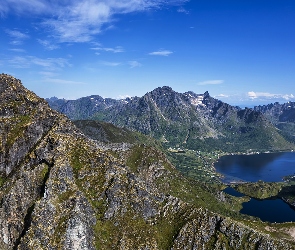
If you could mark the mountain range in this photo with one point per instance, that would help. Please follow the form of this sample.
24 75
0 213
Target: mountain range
61 189
186 120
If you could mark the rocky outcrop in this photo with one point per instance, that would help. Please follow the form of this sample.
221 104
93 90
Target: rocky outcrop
62 190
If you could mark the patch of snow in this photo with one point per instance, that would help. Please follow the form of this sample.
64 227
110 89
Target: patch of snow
198 101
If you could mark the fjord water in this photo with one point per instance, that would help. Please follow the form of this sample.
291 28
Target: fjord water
268 167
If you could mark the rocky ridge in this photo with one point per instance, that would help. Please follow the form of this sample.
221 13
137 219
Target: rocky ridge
62 190
192 121
282 116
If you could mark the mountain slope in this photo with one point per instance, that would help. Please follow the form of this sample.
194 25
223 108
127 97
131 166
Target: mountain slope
108 133
82 108
61 190
282 116
192 121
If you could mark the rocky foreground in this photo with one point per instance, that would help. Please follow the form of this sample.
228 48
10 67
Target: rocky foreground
62 190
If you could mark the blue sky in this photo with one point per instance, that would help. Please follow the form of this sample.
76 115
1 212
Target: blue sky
241 51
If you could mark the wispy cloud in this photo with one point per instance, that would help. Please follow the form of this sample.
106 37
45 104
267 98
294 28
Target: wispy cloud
265 95
19 62
62 81
48 74
48 63
17 36
48 44
161 52
211 82
80 20
117 49
18 50
25 7
221 96
183 10
111 64
134 64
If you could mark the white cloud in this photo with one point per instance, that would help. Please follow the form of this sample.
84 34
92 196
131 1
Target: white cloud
62 81
80 20
211 82
48 74
267 96
183 10
17 36
47 44
134 64
123 97
117 49
19 62
222 96
288 97
111 64
161 53
25 6
18 50
48 63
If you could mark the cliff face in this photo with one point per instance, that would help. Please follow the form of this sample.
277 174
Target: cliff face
61 190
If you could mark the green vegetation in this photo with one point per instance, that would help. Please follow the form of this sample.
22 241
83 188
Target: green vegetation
196 164
260 189
140 155
108 133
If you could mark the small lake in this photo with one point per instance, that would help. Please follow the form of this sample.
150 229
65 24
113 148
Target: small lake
269 210
268 167
233 192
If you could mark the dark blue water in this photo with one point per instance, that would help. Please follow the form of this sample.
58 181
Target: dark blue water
267 167
269 210
233 192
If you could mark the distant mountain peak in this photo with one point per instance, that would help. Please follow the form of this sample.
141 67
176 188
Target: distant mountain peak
162 90
206 94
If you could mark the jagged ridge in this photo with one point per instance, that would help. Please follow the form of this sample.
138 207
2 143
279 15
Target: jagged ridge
193 121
